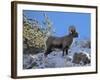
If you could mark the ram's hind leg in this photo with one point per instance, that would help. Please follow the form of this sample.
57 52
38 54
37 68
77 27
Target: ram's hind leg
47 52
45 55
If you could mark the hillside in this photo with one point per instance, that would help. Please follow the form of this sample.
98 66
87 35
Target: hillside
55 59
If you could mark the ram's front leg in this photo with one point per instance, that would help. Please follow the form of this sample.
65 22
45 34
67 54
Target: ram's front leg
67 51
63 52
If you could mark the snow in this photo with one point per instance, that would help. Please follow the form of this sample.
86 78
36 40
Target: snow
55 58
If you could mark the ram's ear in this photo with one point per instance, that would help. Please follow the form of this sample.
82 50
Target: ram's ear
72 29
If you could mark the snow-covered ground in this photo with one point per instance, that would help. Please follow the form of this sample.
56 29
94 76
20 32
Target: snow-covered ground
55 58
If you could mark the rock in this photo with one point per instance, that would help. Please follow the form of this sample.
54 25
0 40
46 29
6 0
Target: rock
81 58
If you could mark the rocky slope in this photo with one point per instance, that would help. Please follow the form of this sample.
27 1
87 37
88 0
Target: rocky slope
55 59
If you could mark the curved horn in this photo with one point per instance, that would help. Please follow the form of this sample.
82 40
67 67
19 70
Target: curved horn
72 29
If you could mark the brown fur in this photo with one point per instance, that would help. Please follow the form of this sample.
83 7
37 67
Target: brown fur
62 43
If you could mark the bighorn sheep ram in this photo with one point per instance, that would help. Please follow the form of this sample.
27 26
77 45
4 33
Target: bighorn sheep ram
62 43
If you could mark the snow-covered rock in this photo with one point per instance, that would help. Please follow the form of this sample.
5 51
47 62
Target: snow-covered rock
81 58
27 61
